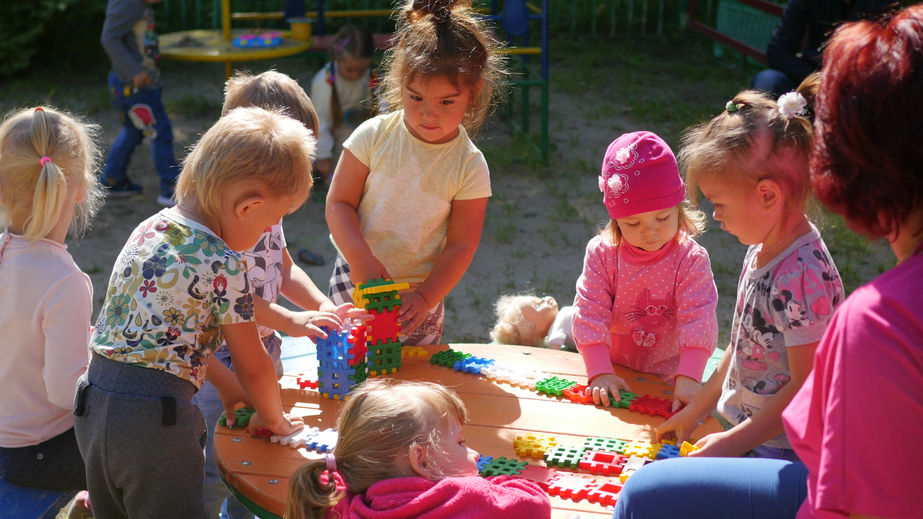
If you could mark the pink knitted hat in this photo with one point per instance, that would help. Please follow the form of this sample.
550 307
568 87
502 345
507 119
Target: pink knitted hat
639 174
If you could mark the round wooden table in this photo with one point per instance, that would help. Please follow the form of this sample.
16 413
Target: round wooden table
258 471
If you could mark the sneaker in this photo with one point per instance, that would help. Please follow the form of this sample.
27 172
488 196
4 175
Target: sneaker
166 201
309 257
121 189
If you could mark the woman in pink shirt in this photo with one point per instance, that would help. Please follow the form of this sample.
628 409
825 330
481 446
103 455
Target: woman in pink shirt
646 297
849 421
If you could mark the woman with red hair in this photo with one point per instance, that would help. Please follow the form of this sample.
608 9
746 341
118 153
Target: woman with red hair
867 381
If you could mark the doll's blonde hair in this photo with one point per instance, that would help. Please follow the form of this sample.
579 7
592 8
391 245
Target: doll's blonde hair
32 190
264 148
270 90
377 427
512 327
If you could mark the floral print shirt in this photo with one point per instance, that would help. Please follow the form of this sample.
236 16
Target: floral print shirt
173 286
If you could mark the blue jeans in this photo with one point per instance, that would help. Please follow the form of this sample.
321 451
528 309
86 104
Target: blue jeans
141 101
738 488
774 82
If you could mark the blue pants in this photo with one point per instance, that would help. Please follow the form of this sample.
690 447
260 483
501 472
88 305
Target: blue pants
54 464
150 115
715 488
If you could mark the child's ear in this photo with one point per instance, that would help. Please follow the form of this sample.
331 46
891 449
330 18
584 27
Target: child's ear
246 205
417 456
769 192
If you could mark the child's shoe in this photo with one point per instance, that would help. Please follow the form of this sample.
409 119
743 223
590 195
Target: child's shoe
123 188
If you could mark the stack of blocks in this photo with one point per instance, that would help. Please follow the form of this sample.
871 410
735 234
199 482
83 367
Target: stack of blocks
341 360
380 298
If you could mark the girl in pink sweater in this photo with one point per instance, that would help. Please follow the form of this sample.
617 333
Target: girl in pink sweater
401 454
646 298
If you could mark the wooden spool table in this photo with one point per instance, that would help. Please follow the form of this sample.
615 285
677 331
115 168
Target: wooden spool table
258 471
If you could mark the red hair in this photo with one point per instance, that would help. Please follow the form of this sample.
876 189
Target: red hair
869 118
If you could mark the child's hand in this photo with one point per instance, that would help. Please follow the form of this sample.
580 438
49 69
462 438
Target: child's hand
413 311
681 425
287 425
344 311
717 445
308 323
684 391
604 385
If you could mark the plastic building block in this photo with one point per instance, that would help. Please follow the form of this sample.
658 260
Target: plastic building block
447 358
378 294
563 456
241 418
533 445
336 384
686 448
667 451
383 326
472 364
384 357
540 475
602 463
503 466
606 444
571 486
652 405
642 449
553 385
604 493
413 351
482 462
631 466
322 441
305 382
261 432
296 439
625 399
577 394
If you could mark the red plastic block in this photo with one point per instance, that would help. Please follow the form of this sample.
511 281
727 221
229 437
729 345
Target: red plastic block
540 475
304 382
383 326
604 493
652 405
577 394
569 486
602 463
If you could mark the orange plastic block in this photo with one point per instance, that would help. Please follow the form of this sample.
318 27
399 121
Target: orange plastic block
604 493
533 445
577 394
602 463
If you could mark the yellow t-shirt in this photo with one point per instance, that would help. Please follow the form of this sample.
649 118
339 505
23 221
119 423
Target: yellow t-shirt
407 199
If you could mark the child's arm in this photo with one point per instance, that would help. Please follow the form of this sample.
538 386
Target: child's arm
682 424
766 424
229 390
298 288
464 233
121 20
257 376
343 219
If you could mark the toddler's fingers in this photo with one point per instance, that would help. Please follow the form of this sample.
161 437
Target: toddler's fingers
310 330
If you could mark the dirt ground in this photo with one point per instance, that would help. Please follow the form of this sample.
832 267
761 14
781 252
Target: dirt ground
538 220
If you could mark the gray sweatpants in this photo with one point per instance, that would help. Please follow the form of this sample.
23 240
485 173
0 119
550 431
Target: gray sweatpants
142 440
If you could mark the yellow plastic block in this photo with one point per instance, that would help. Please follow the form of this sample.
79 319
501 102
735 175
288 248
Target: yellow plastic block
533 445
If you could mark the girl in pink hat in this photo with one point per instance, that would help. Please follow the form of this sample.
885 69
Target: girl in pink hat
646 298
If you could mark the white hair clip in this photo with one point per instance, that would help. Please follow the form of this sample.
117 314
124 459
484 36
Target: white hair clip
792 104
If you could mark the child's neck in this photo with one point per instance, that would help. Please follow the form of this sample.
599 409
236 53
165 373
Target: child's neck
780 238
192 211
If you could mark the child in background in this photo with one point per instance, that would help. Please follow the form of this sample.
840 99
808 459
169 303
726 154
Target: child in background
177 288
343 92
272 273
410 191
533 321
400 454
646 298
752 163
48 184
130 41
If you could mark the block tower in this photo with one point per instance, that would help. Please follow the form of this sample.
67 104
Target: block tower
341 360
380 298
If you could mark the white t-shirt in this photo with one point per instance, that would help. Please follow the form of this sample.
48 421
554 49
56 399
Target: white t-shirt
354 96
45 307
407 199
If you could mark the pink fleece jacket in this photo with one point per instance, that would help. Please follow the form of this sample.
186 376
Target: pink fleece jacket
649 311
455 498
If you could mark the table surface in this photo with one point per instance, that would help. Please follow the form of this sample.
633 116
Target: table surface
259 470
208 45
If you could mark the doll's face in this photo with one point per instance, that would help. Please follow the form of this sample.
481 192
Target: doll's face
540 311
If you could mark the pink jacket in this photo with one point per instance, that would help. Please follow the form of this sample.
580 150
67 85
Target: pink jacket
456 498
649 311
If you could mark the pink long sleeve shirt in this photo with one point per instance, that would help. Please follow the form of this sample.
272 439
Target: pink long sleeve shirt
649 311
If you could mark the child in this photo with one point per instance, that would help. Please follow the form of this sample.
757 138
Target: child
752 163
533 321
48 184
409 195
646 298
401 453
271 271
177 288
343 91
130 41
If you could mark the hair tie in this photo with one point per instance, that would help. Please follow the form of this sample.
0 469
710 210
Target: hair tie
44 160
731 107
792 104
331 462
39 109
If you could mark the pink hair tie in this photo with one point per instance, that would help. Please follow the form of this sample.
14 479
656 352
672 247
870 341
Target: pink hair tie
44 160
331 462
